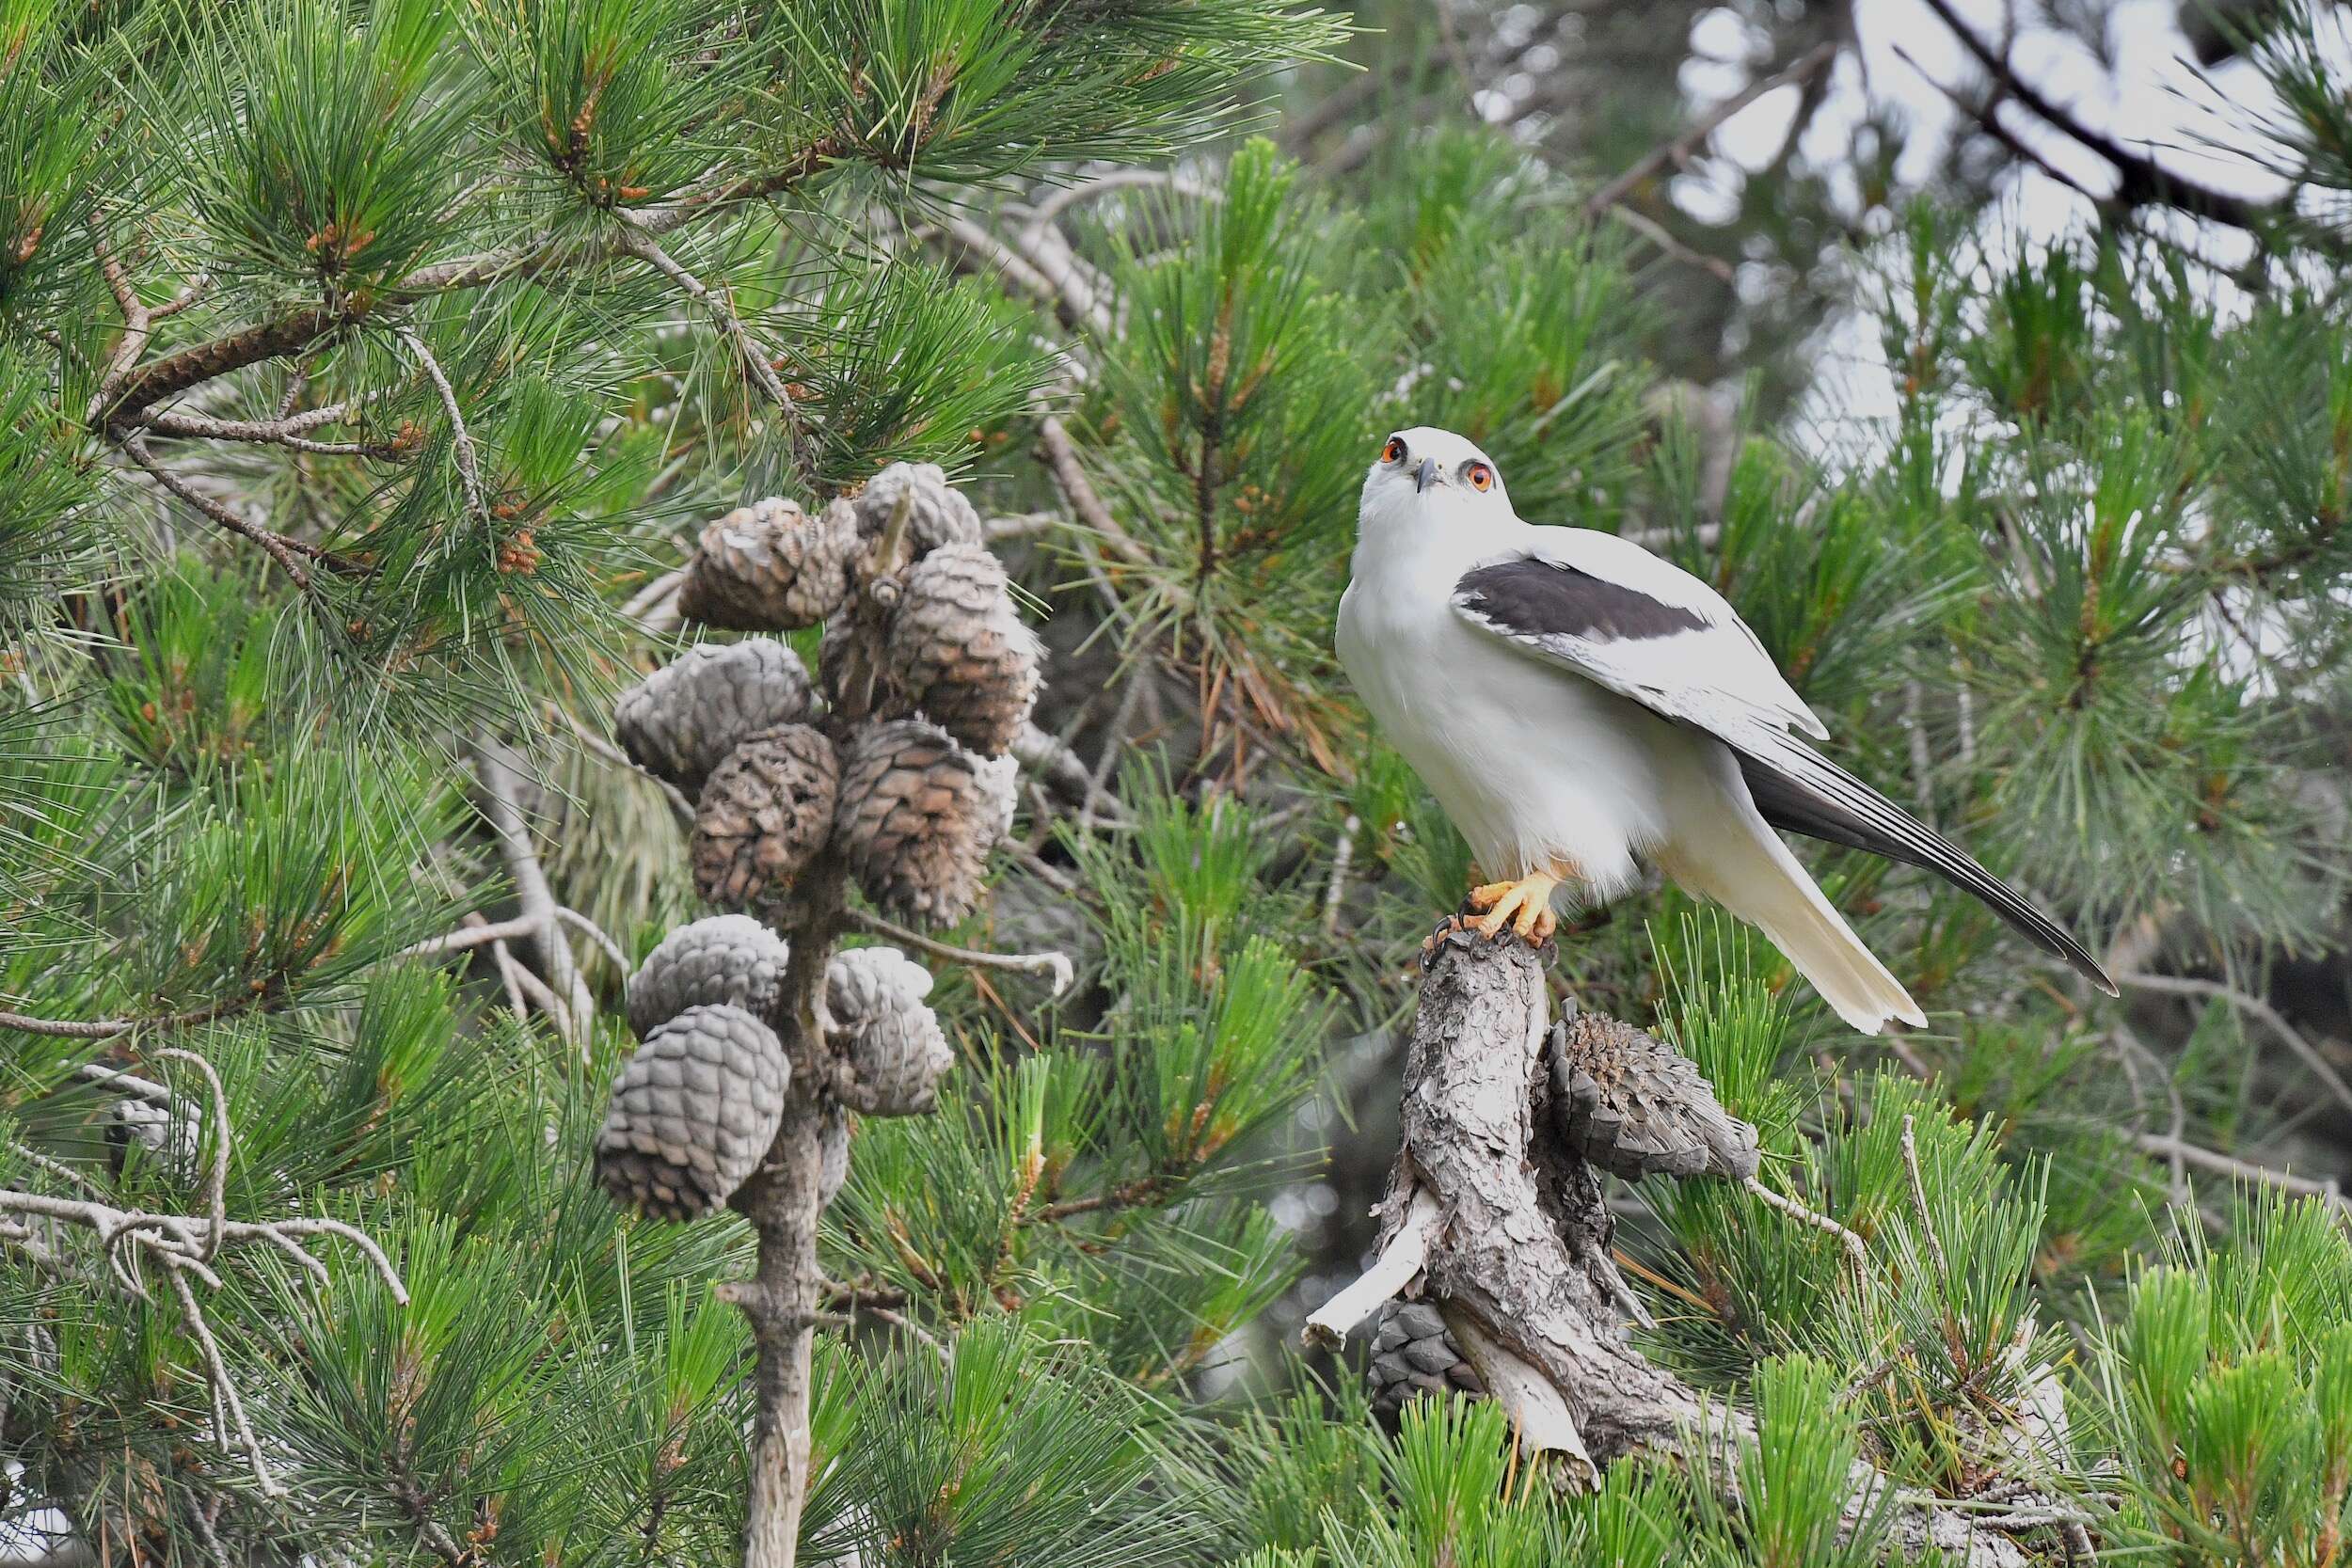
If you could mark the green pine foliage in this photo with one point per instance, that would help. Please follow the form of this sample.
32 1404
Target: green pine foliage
366 365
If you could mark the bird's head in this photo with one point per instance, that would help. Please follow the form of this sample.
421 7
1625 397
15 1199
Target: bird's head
1431 480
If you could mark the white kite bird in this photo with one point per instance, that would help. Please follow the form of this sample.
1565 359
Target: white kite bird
1576 703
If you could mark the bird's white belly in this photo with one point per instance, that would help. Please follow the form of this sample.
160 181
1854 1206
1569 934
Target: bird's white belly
1539 769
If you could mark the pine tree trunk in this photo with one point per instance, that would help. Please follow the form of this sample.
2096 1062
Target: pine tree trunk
783 1203
784 1212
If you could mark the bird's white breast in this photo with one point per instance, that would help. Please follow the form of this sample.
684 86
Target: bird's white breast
1536 767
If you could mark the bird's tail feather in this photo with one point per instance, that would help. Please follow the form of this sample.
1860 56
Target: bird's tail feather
1744 867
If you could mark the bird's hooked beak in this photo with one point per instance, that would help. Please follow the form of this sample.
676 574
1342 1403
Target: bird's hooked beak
1426 475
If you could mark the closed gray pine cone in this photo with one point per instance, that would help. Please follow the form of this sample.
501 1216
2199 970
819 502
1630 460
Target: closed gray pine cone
1412 1354
693 1114
770 566
892 1043
1000 782
765 813
721 957
937 514
680 722
1635 1106
916 820
960 651
833 1144
170 1136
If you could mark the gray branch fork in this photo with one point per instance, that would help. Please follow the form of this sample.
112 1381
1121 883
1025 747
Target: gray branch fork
1494 1219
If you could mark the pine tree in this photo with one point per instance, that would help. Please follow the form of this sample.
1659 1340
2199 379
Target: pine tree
464 522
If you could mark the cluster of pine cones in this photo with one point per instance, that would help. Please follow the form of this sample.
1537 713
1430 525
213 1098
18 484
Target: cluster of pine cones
894 759
900 762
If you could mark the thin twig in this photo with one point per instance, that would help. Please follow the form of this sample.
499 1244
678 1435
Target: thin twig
1803 1215
468 471
2183 984
279 549
216 1188
638 242
1061 459
1679 150
2164 1147
1053 963
467 938
2141 181
1342 856
1919 1203
499 796
595 933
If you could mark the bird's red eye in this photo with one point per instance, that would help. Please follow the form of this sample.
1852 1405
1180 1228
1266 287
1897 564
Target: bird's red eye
1481 477
1393 451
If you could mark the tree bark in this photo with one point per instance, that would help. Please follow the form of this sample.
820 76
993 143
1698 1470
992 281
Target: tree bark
1512 1233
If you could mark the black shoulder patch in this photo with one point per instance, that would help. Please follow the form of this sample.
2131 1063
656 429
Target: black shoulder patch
1533 597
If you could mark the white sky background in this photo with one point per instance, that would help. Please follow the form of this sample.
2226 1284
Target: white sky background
2150 94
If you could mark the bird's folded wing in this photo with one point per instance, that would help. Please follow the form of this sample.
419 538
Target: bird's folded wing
1605 609
1608 610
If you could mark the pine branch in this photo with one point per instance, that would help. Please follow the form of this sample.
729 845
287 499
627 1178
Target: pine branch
755 357
276 545
1055 965
468 469
185 1247
123 397
2141 181
1678 151
569 1004
2305 1051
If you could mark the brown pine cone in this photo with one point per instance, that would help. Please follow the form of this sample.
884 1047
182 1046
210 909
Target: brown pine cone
680 722
1412 1354
1635 1106
960 652
917 821
764 815
892 1043
937 514
693 1114
721 957
770 567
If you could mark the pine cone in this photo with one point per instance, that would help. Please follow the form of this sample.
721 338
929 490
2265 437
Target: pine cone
960 651
770 567
168 1136
764 815
693 1114
1635 1106
891 1041
1000 783
917 821
938 514
1412 1354
680 722
723 958
833 1144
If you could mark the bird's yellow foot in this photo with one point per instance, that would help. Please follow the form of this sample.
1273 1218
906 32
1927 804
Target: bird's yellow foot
1525 906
